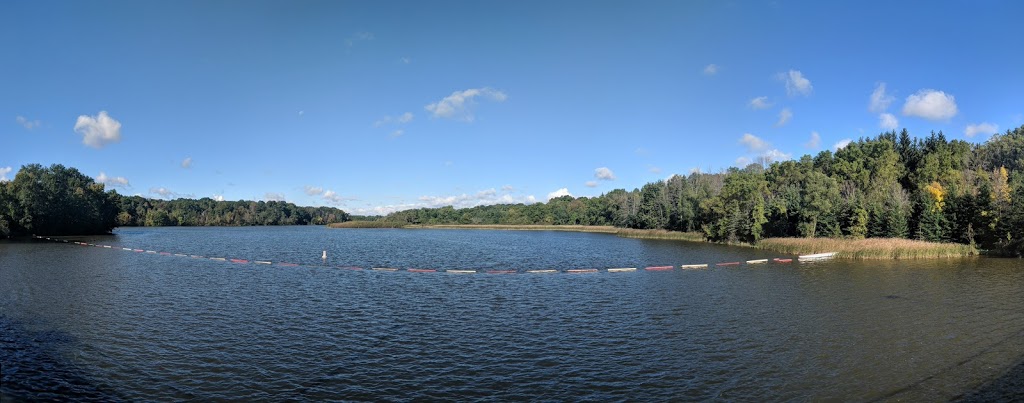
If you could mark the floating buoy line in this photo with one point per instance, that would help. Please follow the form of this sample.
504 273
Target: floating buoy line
235 261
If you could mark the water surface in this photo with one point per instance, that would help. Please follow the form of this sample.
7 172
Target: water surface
109 324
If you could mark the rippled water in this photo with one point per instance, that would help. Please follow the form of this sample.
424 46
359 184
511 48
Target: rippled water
108 324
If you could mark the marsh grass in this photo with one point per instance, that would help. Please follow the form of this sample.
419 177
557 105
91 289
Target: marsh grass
572 228
661 234
870 248
366 224
622 232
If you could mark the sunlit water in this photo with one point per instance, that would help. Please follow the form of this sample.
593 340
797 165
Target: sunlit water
108 324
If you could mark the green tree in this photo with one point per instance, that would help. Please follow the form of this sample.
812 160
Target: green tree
6 210
818 196
739 212
652 213
59 201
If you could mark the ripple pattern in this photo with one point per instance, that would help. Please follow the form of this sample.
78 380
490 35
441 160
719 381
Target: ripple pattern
94 324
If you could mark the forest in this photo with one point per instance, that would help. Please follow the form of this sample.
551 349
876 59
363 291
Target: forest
138 211
892 186
58 200
889 186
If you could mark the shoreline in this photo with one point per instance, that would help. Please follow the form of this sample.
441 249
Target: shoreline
857 249
602 229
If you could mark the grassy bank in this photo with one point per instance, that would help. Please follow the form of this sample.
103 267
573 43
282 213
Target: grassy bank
871 248
366 224
661 234
572 228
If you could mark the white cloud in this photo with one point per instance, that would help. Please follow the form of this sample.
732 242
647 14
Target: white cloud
388 119
381 210
4 172
888 122
458 104
483 197
99 130
26 123
841 144
930 104
980 128
796 83
559 193
313 191
880 101
186 163
711 69
405 60
301 113
333 198
269 196
162 192
118 182
604 174
775 155
218 197
358 37
591 184
760 103
784 116
754 143
397 133
653 169
508 188
815 140
760 151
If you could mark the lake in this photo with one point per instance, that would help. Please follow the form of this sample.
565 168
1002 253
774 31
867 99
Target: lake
108 324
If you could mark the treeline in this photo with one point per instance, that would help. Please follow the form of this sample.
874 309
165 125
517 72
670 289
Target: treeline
891 185
58 200
55 201
137 211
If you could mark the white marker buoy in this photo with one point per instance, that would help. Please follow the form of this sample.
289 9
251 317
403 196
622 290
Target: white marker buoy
324 257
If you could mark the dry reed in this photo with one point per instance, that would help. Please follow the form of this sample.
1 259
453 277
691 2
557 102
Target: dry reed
507 227
366 224
661 234
870 248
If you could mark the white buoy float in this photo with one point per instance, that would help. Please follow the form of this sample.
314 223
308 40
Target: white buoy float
324 256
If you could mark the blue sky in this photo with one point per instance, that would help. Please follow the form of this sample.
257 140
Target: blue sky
380 106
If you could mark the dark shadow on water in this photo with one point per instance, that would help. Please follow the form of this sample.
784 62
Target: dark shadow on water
1007 388
31 369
